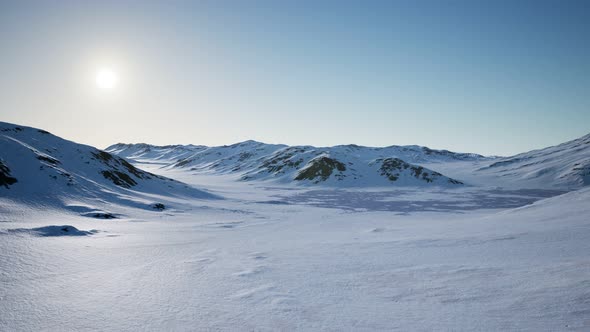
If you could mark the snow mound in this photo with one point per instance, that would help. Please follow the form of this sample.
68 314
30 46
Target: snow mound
52 230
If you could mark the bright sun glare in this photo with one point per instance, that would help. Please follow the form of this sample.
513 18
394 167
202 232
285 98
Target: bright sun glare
106 78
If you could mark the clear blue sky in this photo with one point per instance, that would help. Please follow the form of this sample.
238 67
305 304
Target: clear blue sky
492 77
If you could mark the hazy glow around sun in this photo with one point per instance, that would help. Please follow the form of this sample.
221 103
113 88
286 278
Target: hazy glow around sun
106 78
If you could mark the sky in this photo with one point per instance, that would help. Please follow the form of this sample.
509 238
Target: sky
494 77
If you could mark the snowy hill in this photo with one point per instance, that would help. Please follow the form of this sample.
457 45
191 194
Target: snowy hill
344 165
39 167
156 154
564 165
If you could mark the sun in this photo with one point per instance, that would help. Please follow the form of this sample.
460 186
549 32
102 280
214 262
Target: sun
106 78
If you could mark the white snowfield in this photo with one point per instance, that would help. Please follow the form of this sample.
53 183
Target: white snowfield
500 253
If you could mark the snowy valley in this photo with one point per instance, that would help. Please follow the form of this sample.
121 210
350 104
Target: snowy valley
268 237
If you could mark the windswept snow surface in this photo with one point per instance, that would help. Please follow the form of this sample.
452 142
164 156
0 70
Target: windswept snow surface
264 259
273 256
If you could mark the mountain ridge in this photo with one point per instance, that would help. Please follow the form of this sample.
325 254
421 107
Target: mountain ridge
342 165
566 165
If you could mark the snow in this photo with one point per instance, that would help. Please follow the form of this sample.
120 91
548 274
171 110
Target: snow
273 255
267 267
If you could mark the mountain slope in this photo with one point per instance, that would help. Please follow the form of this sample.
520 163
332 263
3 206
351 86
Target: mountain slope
565 165
344 165
38 166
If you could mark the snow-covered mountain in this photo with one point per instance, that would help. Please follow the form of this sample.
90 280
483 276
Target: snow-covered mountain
344 165
565 165
39 167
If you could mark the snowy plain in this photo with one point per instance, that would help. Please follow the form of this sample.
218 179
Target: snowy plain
262 259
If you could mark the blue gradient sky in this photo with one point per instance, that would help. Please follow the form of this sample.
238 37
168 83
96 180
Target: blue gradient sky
492 77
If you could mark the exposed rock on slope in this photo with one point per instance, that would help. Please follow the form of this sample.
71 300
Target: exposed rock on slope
5 179
320 169
393 168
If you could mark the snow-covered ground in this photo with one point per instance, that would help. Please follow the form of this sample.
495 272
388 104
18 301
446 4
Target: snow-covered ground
508 250
269 258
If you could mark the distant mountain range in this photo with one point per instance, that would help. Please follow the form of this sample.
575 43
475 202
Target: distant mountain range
344 165
565 166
